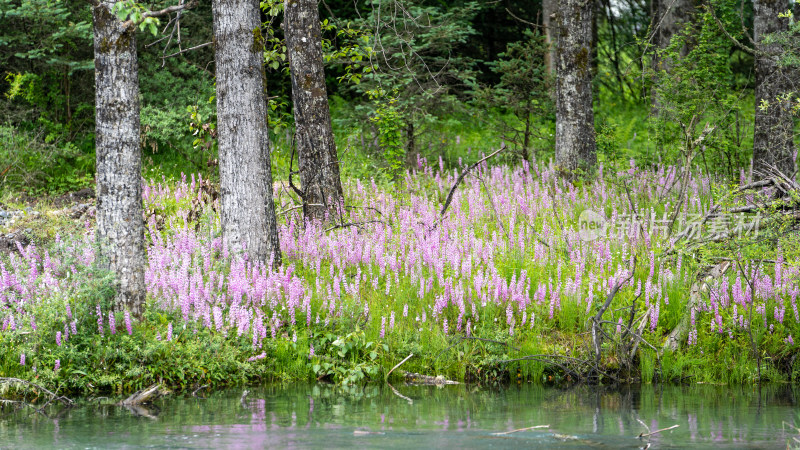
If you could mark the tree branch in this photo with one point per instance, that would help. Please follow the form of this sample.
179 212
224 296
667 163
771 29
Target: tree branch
461 178
196 47
176 8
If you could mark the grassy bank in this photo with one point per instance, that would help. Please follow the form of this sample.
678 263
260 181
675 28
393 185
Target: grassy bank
504 285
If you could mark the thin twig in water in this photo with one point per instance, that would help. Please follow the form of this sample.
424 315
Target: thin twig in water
642 435
397 393
521 429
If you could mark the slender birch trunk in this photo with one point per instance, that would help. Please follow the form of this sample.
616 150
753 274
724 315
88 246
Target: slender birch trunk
575 139
120 227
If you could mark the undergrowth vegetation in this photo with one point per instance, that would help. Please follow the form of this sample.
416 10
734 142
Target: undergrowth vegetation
506 283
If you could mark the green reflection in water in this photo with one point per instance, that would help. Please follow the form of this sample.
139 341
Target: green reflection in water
316 416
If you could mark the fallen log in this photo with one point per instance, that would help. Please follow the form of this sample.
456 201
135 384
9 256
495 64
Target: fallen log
679 334
145 395
427 380
52 396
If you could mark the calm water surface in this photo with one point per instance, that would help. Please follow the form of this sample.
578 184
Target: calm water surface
322 416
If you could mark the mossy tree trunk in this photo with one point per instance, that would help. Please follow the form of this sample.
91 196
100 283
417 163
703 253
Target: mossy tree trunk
772 142
316 149
248 212
575 138
120 228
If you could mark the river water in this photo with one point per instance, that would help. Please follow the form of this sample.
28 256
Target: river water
324 416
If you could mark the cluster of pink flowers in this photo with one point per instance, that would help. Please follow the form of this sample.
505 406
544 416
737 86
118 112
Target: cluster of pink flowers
507 250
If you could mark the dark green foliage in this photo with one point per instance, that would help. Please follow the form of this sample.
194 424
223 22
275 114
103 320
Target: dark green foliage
389 122
347 359
523 91
43 162
622 32
414 55
699 90
46 59
47 100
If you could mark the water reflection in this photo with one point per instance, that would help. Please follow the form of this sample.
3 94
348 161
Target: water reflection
300 416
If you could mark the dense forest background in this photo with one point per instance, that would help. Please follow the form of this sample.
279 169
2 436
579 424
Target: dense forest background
405 78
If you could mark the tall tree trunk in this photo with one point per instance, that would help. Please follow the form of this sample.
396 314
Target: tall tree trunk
575 139
548 9
526 140
316 148
595 38
772 142
411 146
669 18
248 212
120 228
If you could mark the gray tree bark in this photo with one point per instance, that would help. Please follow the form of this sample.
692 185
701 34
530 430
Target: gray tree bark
548 9
669 18
120 228
772 142
575 139
316 148
248 211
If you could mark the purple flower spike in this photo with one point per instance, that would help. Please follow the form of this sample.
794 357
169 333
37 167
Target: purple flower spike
128 322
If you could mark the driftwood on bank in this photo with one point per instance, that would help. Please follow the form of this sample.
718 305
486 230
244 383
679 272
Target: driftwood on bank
426 380
145 395
597 333
785 205
679 334
52 396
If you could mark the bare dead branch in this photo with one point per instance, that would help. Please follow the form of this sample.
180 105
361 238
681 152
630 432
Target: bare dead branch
196 47
521 429
53 395
460 178
399 364
353 224
175 8
642 435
